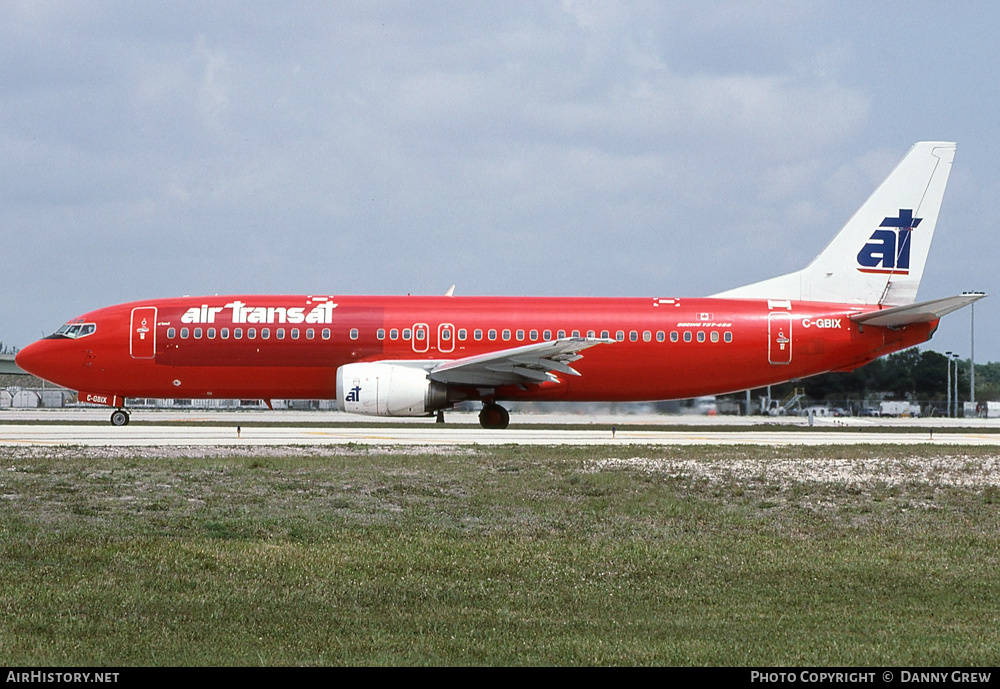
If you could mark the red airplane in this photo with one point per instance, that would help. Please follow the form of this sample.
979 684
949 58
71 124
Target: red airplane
417 356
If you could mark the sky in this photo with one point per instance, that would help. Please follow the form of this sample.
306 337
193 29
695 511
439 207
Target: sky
654 149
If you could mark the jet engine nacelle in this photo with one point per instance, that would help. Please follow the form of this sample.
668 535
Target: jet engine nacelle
388 390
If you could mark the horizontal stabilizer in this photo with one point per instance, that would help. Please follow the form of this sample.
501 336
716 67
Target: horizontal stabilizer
924 312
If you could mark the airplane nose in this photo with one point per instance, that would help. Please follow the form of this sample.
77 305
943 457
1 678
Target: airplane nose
32 359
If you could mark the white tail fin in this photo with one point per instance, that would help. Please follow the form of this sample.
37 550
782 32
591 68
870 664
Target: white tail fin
879 255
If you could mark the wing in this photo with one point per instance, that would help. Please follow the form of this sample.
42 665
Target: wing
534 363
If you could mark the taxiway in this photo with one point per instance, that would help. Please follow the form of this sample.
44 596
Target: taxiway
203 429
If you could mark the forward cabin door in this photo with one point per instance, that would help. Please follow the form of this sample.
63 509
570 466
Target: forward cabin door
142 344
779 329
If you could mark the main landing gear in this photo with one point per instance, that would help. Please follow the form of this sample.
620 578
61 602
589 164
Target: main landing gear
494 416
119 417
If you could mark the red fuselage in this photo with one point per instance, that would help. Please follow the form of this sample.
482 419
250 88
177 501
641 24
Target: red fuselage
290 347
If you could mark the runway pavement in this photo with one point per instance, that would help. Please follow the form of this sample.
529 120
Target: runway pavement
307 428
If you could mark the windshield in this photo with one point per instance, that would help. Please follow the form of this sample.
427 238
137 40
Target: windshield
74 331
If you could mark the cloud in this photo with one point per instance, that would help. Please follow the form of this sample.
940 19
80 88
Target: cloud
513 147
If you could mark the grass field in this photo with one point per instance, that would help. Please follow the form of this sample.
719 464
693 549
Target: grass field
871 555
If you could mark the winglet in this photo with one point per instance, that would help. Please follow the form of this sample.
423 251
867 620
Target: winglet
450 292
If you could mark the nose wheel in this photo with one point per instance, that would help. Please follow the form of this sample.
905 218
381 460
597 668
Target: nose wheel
119 417
494 416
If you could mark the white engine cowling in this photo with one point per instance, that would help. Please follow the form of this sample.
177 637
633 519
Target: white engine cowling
383 389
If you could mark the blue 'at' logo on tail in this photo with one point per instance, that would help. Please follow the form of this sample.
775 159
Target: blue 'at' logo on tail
888 251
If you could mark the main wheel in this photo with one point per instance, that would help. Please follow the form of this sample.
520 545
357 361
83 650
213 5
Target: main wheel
494 416
119 417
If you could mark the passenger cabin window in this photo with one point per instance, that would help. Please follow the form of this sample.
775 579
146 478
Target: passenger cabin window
354 333
326 333
265 333
380 334
171 333
295 333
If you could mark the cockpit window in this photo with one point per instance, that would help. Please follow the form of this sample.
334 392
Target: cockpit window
74 331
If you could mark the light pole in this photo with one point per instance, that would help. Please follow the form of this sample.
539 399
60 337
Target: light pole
955 357
947 388
972 355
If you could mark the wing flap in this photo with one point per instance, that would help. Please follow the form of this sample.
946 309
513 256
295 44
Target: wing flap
534 363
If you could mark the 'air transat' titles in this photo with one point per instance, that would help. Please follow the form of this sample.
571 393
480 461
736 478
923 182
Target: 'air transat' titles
244 313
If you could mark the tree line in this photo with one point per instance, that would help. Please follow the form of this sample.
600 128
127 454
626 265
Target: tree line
913 374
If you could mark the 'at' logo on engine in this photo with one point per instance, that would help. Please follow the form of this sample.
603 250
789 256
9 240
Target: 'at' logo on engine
888 250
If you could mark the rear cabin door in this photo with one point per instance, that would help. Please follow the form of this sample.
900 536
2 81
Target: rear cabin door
779 328
143 333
